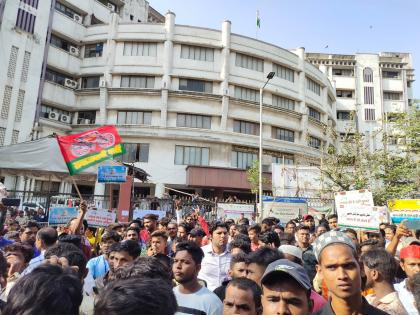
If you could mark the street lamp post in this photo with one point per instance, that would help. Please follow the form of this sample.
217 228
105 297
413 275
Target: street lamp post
269 77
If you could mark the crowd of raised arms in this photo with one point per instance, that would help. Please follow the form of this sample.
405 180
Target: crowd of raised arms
192 266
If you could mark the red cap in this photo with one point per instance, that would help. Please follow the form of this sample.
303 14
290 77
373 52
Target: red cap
307 217
412 251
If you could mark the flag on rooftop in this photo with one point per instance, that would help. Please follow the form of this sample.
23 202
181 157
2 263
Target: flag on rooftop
258 19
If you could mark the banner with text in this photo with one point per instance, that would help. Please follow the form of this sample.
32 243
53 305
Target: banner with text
112 174
234 210
100 218
355 209
405 210
139 214
61 215
284 208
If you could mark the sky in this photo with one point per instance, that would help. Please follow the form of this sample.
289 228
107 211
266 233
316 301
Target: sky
346 27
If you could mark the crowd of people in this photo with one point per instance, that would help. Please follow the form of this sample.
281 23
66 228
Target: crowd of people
191 266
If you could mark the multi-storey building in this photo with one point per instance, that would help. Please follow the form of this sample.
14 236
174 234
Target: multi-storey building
370 88
185 99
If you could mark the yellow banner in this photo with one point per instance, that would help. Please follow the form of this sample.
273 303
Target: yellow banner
404 204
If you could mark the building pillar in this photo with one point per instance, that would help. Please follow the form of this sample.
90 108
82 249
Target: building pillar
302 108
159 190
168 52
224 72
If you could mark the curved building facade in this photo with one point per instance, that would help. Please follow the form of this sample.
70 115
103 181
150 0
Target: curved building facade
186 100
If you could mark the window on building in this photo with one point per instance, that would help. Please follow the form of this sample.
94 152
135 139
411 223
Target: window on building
95 21
140 49
314 142
197 53
284 72
343 72
344 93
369 114
369 96
25 21
90 82
65 10
46 186
314 114
367 75
283 134
312 86
288 160
86 117
391 74
2 135
15 136
243 160
185 155
138 82
54 76
393 96
246 127
193 121
134 118
249 62
246 94
46 110
283 102
59 42
135 152
344 115
94 50
196 85
330 101
32 3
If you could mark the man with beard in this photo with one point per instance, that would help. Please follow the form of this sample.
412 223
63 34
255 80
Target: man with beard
191 296
338 265
150 222
410 263
380 268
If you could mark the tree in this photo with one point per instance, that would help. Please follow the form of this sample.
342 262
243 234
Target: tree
388 173
253 176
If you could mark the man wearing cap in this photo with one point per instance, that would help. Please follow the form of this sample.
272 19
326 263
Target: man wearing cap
286 289
338 266
309 221
410 263
196 235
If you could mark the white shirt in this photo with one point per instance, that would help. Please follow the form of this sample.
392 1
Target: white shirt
214 267
202 302
35 262
406 297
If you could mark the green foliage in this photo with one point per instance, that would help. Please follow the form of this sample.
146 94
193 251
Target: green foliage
253 177
388 173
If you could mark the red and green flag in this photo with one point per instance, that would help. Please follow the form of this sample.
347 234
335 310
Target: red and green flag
88 148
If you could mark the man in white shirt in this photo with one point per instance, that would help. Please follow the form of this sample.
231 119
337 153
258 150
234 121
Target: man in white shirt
410 263
191 296
216 262
45 238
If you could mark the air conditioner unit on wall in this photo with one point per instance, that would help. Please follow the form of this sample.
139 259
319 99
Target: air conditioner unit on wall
65 119
77 18
111 7
53 115
70 83
74 51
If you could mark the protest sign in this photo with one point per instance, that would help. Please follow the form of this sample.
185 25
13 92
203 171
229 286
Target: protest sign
355 209
100 218
88 148
405 210
234 210
61 215
139 213
112 174
284 208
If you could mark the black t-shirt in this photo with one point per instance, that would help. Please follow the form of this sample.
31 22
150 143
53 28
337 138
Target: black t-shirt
221 291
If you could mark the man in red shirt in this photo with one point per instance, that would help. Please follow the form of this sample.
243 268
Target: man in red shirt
150 222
